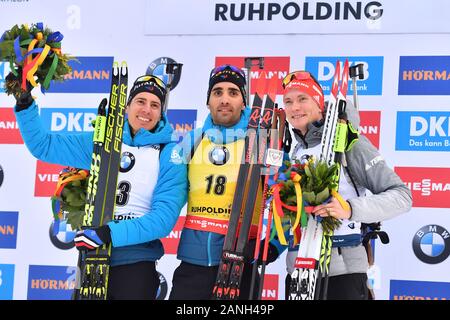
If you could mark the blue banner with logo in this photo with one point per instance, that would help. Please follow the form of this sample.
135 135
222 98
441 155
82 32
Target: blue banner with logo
424 75
419 290
68 120
8 229
89 75
323 68
51 282
423 131
182 120
6 281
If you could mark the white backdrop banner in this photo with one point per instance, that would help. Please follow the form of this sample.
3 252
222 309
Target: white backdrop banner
195 17
404 103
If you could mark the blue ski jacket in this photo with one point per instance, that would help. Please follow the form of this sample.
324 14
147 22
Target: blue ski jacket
136 239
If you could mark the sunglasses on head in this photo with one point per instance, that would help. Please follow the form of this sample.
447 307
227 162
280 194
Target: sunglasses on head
156 80
224 67
299 75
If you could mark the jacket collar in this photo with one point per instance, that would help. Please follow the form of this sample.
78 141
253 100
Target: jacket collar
223 135
312 137
161 135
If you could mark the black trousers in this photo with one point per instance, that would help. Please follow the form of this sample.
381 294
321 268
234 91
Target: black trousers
194 282
137 281
344 287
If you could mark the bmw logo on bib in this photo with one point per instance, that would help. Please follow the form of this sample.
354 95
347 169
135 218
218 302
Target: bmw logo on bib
127 162
219 155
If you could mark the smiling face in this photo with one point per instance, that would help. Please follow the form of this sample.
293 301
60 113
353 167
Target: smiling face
301 109
144 111
225 104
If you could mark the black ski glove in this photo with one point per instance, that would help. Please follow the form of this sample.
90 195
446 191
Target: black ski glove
24 100
249 252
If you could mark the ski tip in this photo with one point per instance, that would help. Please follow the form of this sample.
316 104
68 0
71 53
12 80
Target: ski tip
336 79
281 115
115 68
123 69
345 73
338 69
103 104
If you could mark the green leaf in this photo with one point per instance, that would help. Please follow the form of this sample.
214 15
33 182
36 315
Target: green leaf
308 171
330 224
75 219
322 196
76 183
70 197
309 197
77 203
64 193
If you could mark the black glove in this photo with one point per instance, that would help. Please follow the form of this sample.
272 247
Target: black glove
249 252
24 100
91 239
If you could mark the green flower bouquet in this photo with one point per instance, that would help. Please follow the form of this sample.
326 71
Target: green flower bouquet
302 186
34 54
69 199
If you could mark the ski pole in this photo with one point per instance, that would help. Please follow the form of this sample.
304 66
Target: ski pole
248 64
356 71
171 70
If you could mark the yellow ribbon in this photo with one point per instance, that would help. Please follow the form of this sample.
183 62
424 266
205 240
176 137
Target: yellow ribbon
57 51
278 226
341 200
42 56
31 47
276 207
298 191
67 177
30 74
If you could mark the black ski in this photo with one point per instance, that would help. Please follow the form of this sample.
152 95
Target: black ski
232 262
230 238
93 266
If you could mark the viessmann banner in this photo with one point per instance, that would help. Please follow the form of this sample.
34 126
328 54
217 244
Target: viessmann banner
295 17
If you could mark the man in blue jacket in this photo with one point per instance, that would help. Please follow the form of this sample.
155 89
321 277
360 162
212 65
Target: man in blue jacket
214 154
152 188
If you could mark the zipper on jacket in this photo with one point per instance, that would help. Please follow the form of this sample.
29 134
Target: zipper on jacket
299 134
208 248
